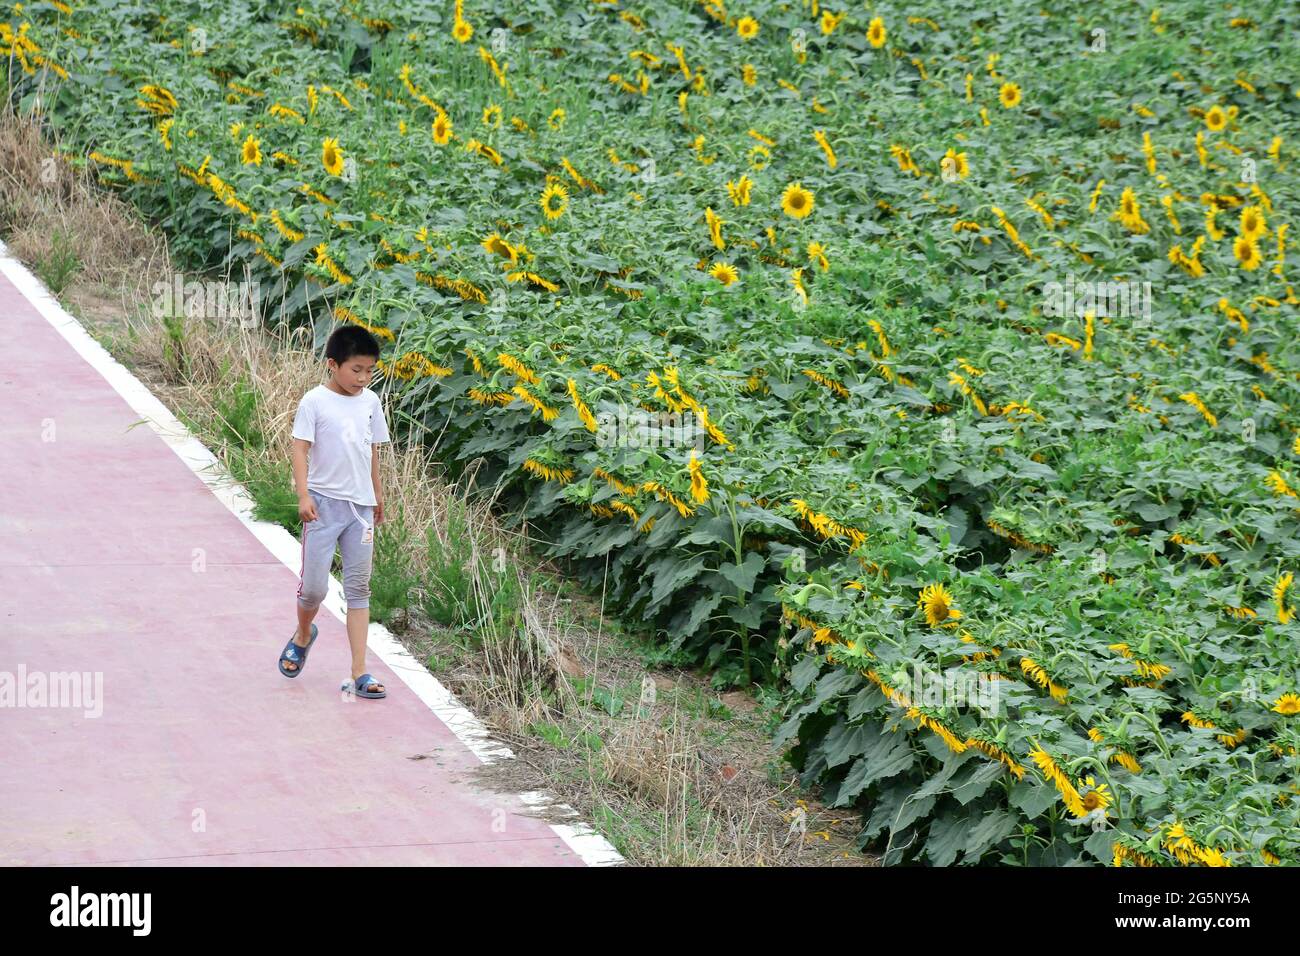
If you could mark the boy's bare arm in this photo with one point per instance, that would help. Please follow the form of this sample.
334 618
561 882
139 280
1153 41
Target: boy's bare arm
300 448
374 477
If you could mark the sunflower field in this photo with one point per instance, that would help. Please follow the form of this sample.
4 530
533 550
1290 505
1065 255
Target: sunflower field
981 316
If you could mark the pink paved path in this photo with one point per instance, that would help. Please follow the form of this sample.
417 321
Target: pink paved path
97 531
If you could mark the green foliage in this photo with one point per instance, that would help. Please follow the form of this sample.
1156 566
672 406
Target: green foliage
60 262
236 411
1106 500
448 580
551 733
393 576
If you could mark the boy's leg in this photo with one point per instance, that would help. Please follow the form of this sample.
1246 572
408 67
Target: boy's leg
319 539
302 637
358 557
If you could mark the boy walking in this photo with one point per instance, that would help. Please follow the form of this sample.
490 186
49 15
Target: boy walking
336 436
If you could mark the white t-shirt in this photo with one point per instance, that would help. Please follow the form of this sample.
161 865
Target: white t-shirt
341 429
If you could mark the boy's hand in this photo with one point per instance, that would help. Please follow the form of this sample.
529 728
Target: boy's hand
379 510
307 508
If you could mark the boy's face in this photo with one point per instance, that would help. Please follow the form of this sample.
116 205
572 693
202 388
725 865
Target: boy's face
354 374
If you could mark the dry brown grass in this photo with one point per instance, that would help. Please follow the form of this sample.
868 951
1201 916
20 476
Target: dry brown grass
676 783
41 194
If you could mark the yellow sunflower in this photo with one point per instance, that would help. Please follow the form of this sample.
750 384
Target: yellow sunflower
495 244
1130 212
442 129
1252 224
796 201
876 33
555 199
251 153
1247 253
1215 119
936 601
817 255
1097 797
956 162
724 273
699 485
492 116
830 21
1128 204
739 190
462 31
747 27
796 280
331 157
556 120
1009 95
748 74
1127 761
1287 704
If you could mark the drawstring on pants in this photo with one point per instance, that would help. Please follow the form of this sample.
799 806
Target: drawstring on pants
368 536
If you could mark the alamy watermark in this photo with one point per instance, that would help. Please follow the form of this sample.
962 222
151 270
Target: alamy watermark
55 689
953 688
220 300
75 908
1103 299
638 428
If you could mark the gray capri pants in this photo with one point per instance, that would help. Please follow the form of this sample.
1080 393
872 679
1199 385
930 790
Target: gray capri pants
349 526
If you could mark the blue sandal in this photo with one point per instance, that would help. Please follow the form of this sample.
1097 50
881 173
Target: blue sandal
295 654
361 686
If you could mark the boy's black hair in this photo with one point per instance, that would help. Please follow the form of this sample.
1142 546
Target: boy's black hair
348 341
